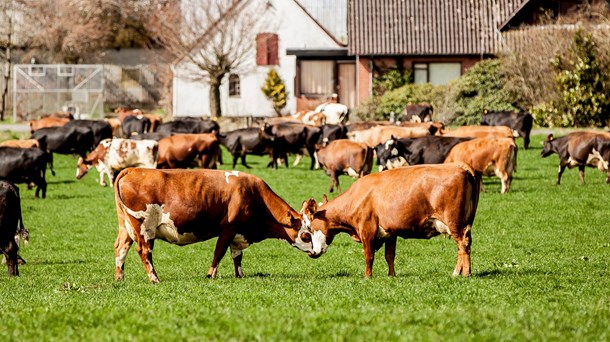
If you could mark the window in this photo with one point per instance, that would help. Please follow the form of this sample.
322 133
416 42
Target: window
36 70
317 77
436 73
234 85
267 49
63 70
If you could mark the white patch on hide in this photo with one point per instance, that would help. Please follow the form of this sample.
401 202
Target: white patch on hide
396 162
232 173
318 241
120 260
381 233
351 172
239 243
394 152
158 224
389 143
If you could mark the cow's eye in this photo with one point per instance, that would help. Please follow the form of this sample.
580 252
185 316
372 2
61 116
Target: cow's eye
306 237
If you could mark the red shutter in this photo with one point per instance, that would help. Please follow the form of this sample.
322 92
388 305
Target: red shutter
261 49
273 50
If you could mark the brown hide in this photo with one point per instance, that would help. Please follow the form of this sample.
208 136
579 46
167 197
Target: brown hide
47 122
380 134
480 132
155 121
115 124
182 150
188 206
343 156
28 143
124 112
490 156
411 202
434 127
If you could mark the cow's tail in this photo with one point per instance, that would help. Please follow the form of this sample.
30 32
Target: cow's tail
49 157
119 199
512 160
367 164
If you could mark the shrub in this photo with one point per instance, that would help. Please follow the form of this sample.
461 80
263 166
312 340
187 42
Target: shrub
275 90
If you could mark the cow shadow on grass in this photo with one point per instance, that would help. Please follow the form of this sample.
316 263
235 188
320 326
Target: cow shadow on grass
57 262
69 181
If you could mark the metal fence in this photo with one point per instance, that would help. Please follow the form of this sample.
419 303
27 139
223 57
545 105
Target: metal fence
47 88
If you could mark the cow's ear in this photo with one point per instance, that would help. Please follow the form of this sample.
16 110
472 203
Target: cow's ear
309 206
292 221
550 137
324 199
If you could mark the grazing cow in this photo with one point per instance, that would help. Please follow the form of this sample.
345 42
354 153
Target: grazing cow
27 143
380 134
334 113
294 138
521 123
101 129
480 132
363 125
134 125
191 125
579 149
434 127
411 202
417 112
345 157
65 140
47 122
188 206
184 150
60 115
24 165
113 155
490 156
11 224
243 141
424 150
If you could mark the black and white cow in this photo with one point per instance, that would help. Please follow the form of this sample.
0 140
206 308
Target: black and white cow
11 223
414 151
521 123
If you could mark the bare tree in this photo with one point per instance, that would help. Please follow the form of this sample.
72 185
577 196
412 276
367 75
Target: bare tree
216 36
6 44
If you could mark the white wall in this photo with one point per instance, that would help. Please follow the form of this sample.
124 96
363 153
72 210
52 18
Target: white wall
296 30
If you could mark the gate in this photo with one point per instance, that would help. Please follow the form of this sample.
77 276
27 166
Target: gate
47 88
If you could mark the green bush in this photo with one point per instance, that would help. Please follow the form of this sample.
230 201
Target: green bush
275 90
480 89
582 85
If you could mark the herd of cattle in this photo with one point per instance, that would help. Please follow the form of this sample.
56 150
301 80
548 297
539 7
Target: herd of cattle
157 197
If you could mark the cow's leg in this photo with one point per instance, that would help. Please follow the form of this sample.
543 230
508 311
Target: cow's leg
390 254
297 160
581 173
317 162
368 236
334 181
10 249
237 254
526 140
223 242
562 168
145 249
464 241
121 247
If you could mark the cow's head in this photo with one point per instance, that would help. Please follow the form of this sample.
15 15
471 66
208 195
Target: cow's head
547 148
82 167
266 132
321 234
302 224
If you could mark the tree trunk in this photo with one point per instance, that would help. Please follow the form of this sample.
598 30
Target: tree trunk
215 109
7 64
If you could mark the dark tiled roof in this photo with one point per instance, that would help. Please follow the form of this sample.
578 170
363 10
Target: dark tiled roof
427 27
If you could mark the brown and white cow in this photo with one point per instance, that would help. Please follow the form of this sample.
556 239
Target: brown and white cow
125 112
27 143
49 121
188 206
490 156
114 155
183 150
579 149
480 132
411 202
345 157
380 134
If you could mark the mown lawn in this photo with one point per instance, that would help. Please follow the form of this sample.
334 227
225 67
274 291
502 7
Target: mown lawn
540 272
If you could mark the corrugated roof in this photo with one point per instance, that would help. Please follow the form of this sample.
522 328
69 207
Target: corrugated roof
330 14
427 27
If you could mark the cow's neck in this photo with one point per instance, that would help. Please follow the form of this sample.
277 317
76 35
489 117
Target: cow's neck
340 216
280 225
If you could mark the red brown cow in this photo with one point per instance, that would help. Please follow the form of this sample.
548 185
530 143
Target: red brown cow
411 202
345 157
47 122
125 112
27 143
188 206
490 156
580 149
481 132
183 150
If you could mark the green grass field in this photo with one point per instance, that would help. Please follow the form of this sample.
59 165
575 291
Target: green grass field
540 254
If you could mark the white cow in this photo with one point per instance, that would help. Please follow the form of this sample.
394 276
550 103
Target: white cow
336 113
113 155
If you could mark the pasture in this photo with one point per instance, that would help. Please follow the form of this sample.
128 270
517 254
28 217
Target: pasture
541 257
